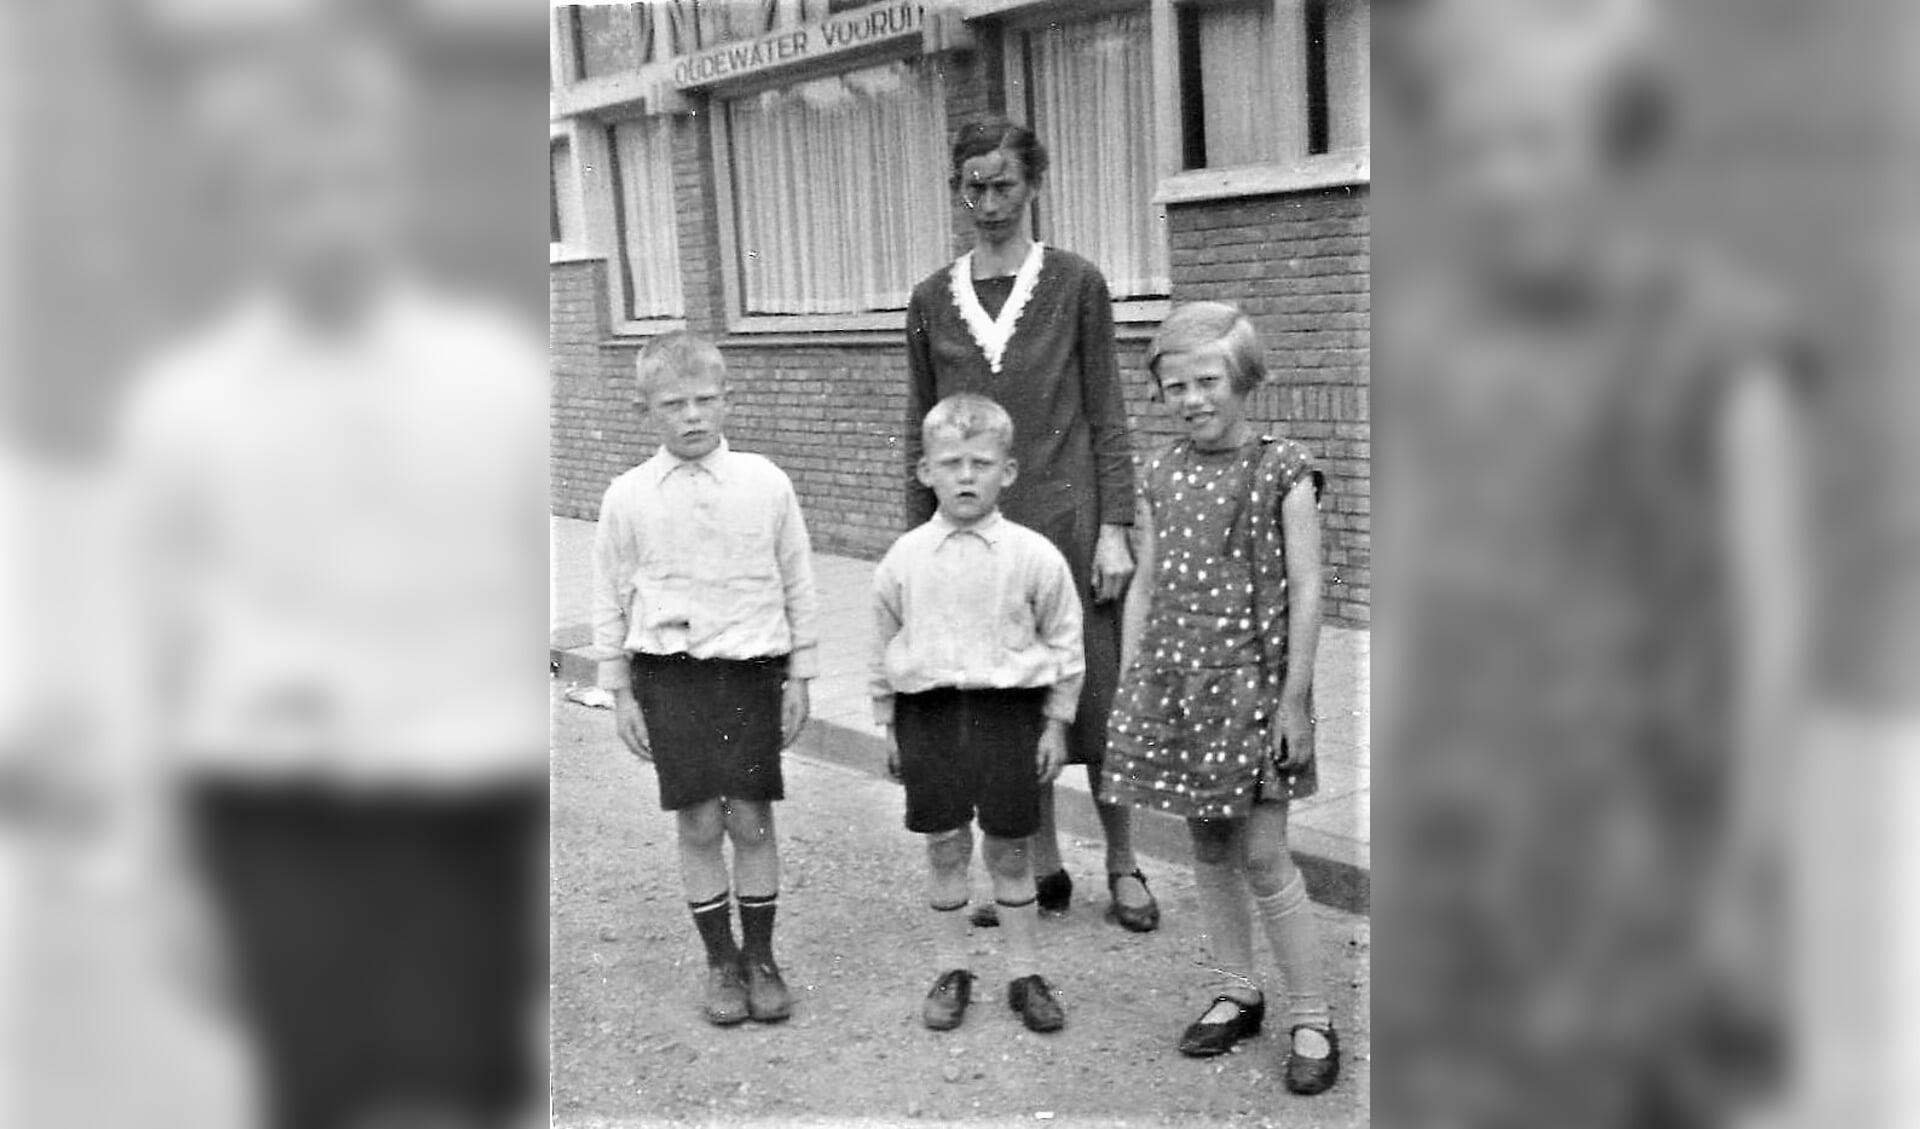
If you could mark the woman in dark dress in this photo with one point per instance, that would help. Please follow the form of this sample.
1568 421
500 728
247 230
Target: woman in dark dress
1031 326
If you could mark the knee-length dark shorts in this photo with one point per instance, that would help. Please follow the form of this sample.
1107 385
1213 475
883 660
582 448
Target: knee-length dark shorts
714 725
968 753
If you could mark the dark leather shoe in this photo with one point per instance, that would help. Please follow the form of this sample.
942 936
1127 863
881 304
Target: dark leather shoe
726 994
1204 1040
1310 1076
1054 891
946 1005
1136 919
768 1000
1033 999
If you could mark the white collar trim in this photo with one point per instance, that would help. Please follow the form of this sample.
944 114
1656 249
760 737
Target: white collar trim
994 334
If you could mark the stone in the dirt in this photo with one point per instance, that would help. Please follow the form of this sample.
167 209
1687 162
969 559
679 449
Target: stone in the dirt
951 1072
914 1109
608 933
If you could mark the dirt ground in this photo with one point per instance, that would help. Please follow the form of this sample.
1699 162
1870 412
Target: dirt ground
629 1046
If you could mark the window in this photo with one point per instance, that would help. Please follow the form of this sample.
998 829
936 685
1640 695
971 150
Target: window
641 163
1345 38
1088 93
1270 82
839 190
610 38
566 210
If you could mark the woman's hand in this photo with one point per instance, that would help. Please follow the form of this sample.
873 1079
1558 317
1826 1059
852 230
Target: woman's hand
795 706
631 725
1112 564
1293 735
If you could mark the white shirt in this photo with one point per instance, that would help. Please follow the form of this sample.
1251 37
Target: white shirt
991 606
704 557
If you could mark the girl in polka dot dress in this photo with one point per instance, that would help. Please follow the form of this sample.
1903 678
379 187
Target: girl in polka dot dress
1214 721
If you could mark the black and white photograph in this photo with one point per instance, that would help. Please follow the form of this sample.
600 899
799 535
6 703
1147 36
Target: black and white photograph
961 505
972 613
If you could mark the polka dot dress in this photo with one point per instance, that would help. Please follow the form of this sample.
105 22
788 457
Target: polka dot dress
1190 726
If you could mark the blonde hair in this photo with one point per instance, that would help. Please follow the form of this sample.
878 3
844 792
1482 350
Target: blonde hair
1196 326
965 415
678 356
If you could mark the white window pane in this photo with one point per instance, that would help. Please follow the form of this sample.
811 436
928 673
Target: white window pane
1091 85
650 251
1241 95
1348 48
840 190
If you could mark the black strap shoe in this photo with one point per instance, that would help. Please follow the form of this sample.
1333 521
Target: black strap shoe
946 1005
1310 1076
1204 1040
1032 997
1054 891
1136 919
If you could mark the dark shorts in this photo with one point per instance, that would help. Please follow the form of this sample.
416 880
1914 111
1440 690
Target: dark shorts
714 725
968 752
386 946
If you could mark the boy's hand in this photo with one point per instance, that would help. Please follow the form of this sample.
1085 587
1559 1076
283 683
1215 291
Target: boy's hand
632 727
1293 735
1053 751
795 705
893 754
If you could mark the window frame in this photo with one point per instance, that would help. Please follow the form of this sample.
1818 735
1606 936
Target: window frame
733 285
595 161
585 110
1301 172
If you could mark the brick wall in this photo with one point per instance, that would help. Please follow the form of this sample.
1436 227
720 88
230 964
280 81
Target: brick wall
829 409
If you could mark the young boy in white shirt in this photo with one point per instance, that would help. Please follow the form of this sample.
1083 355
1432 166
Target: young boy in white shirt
977 670
703 589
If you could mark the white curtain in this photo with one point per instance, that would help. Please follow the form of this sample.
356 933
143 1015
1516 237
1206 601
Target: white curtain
1092 90
840 190
1348 53
651 256
1240 95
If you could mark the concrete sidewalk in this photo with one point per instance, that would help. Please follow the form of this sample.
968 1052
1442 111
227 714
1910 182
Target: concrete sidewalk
1329 831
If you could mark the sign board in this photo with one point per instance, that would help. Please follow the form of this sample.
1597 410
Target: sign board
849 32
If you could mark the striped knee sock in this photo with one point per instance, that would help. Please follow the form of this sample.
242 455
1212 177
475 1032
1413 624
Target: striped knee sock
714 919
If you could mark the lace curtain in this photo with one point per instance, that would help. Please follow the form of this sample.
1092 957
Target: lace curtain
840 190
650 251
1092 96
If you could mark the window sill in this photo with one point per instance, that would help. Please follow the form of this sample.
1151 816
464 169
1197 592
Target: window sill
1139 311
631 332
558 253
751 325
1341 170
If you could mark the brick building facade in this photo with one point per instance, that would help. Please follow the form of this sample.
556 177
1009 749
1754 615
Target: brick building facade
823 395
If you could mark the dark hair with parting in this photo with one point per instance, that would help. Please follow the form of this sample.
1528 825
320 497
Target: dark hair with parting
991 135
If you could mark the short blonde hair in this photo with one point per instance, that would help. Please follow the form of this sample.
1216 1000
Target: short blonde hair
678 356
1196 326
964 415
